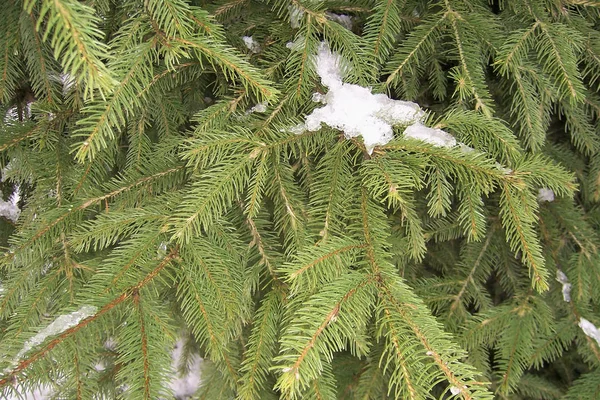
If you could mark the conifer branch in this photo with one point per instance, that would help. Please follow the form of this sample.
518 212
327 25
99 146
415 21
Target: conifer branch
125 295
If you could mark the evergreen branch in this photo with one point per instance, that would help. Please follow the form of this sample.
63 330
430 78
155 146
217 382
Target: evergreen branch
215 116
419 44
341 316
70 211
102 117
332 183
8 142
464 380
470 78
515 48
257 240
10 70
289 210
557 50
126 294
144 344
39 66
471 215
261 347
518 224
231 63
383 26
209 198
525 106
316 265
76 37
257 186
396 188
298 67
488 135
470 277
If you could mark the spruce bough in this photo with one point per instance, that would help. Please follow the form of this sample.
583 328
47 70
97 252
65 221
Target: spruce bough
179 181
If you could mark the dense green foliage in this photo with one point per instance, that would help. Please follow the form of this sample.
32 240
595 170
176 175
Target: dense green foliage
300 265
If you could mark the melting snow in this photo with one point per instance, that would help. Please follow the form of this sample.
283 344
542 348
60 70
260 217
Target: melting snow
319 98
586 326
296 15
9 209
297 44
566 286
59 325
43 392
545 194
251 44
185 386
353 109
259 108
589 329
436 137
342 19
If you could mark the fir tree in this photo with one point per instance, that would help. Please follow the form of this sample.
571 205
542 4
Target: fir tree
429 231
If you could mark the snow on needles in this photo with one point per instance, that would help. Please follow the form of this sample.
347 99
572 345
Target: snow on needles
9 209
251 44
588 328
185 386
436 137
545 194
356 111
58 326
566 286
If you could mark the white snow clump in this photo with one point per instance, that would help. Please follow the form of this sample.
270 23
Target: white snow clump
589 329
353 109
59 325
436 137
342 19
566 286
297 44
9 209
586 326
296 15
185 386
545 194
454 390
251 44
259 108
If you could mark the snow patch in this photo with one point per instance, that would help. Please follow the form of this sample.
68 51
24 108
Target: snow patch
589 329
506 171
342 19
466 149
43 392
58 326
259 108
436 137
566 286
545 194
185 386
298 43
9 209
353 109
251 44
67 81
296 15
318 98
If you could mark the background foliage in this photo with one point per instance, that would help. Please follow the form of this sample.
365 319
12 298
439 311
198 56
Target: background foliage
300 266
